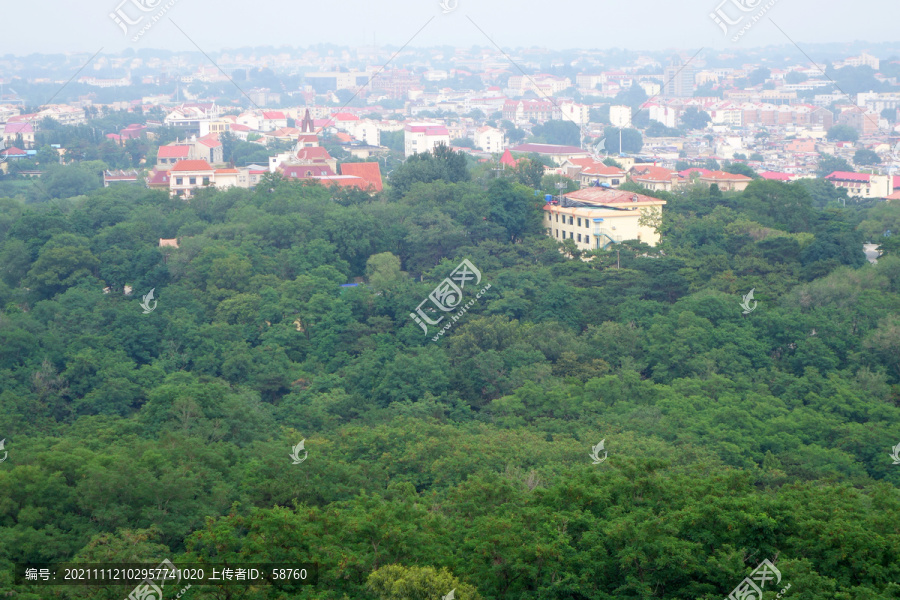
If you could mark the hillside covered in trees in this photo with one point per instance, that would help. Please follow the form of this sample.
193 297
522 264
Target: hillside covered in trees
135 435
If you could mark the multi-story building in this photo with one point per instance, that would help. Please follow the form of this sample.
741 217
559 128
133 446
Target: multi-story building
519 111
424 137
597 174
596 217
863 185
19 133
489 139
187 176
188 117
863 60
679 79
864 121
727 182
541 84
620 116
654 178
331 81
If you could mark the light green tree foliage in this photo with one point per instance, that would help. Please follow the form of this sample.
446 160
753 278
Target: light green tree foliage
396 582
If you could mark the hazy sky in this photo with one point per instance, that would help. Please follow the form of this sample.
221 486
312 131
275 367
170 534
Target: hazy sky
65 25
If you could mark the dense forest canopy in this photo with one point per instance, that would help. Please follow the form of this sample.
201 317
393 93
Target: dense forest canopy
135 435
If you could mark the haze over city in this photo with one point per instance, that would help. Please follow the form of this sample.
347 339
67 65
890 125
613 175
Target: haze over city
61 26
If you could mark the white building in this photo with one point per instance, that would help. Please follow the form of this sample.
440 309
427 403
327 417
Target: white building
424 137
664 114
489 139
620 116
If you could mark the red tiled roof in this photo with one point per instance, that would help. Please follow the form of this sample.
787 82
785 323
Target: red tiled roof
369 171
344 181
507 159
192 165
284 131
315 153
725 176
605 196
651 173
849 176
345 116
304 171
273 114
12 151
173 152
688 172
428 129
227 171
18 128
602 169
158 178
775 176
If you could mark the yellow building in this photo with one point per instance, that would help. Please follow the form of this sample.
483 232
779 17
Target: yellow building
597 217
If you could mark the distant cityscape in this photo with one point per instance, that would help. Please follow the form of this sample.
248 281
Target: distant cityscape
340 117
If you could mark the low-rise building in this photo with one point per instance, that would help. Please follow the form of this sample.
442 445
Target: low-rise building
187 176
727 182
119 177
863 185
655 178
597 217
167 156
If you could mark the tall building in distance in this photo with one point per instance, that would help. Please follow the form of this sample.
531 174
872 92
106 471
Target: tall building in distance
679 79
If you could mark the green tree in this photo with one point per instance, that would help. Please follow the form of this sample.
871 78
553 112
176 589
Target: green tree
396 582
864 156
632 141
565 133
383 270
829 163
842 133
694 118
529 172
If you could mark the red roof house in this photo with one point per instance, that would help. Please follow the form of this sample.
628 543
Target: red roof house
370 172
